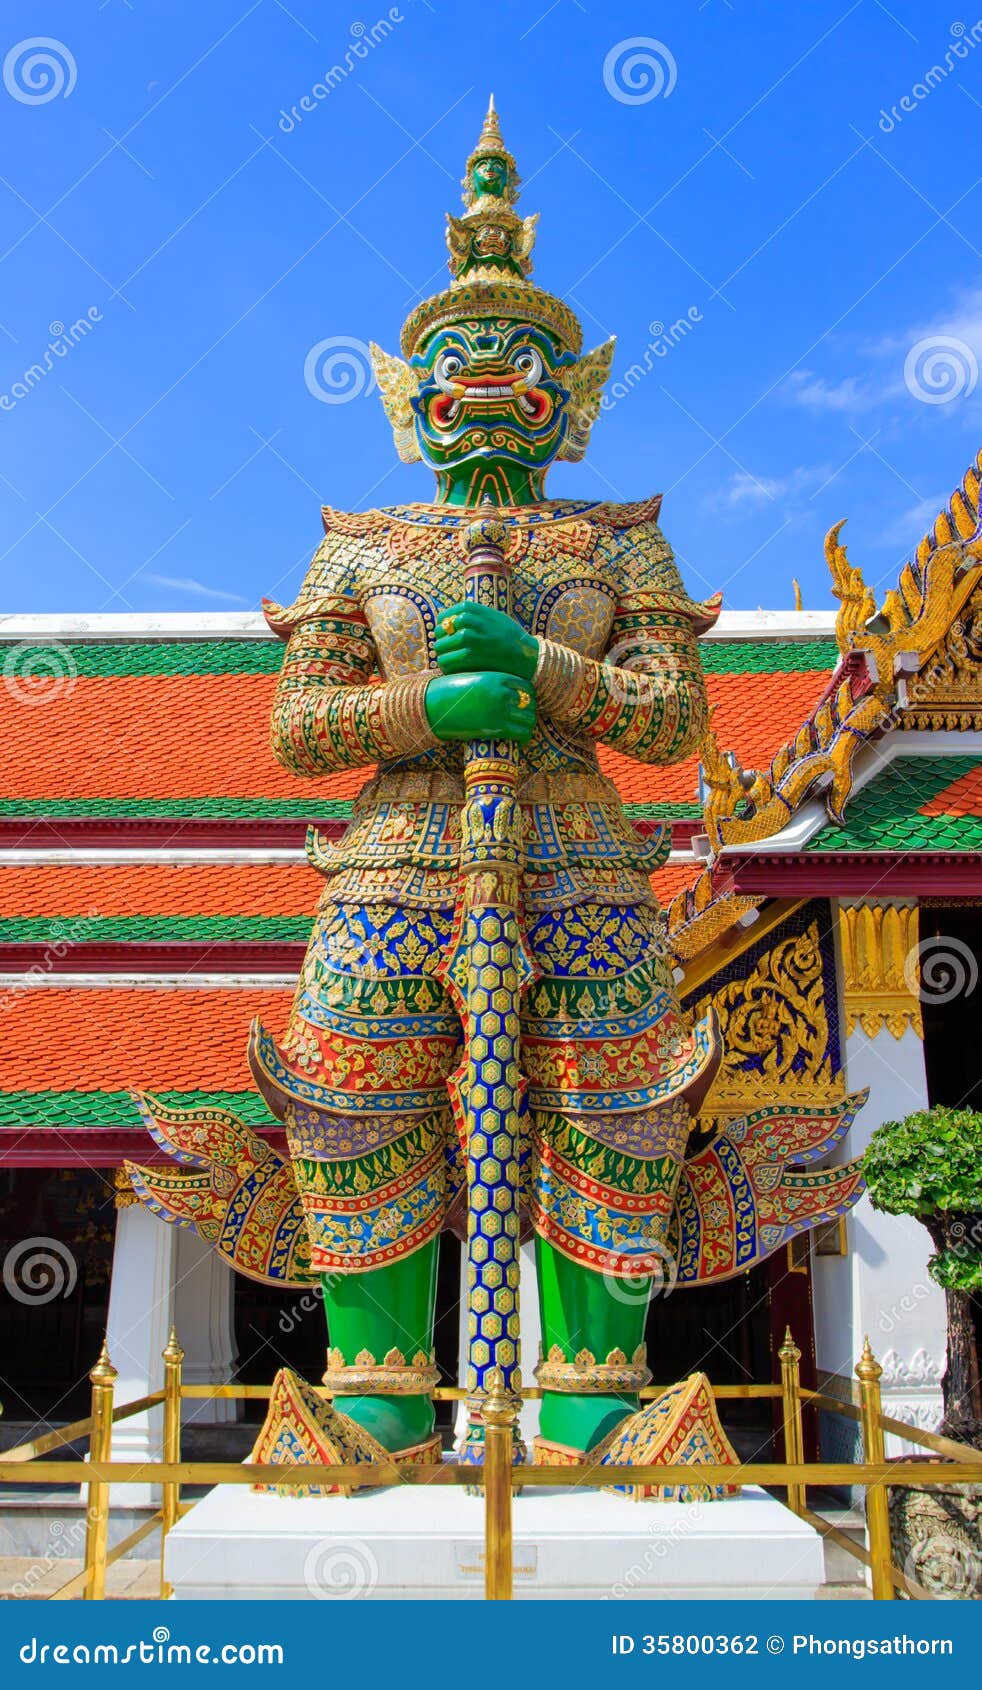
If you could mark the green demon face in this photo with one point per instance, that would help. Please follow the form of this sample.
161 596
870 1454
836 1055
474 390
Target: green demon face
490 388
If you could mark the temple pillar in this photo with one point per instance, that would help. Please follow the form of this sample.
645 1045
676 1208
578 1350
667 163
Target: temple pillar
880 1286
141 1313
204 1297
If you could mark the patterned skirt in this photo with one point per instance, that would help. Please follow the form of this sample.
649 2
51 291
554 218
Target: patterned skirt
360 1082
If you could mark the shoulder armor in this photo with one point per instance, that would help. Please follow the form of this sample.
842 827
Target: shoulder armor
353 522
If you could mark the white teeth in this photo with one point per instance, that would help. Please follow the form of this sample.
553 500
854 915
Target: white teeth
488 393
526 404
452 410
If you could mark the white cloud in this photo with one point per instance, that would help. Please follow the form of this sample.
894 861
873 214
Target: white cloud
196 589
946 350
909 526
745 491
850 395
962 322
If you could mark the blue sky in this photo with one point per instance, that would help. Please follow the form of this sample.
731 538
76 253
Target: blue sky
795 185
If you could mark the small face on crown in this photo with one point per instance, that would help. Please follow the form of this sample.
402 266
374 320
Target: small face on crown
491 388
489 178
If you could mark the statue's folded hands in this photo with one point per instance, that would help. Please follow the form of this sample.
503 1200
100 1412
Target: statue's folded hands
488 705
476 636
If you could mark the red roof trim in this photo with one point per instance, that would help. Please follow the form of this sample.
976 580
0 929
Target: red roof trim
878 873
92 1147
249 956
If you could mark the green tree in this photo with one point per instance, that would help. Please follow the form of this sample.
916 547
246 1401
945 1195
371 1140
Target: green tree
930 1166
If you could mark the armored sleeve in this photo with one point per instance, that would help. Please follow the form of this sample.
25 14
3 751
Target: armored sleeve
647 696
332 710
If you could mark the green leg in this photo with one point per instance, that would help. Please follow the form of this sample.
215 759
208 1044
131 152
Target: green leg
388 1308
581 1310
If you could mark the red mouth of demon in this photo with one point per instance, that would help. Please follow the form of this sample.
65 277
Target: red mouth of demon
490 390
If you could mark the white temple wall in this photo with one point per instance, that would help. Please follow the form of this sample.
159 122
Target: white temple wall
881 1287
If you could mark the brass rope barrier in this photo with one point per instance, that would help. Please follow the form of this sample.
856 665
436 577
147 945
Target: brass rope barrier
499 1477
868 1372
103 1378
789 1356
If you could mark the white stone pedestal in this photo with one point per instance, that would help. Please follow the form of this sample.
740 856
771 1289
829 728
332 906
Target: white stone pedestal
415 1543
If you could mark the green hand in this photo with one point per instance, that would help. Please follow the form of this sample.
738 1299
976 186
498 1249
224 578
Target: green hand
486 706
473 636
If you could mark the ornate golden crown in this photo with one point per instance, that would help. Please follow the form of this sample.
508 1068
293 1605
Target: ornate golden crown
491 257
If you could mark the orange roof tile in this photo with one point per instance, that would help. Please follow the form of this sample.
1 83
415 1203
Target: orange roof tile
92 1039
187 736
161 736
962 798
671 879
754 715
125 889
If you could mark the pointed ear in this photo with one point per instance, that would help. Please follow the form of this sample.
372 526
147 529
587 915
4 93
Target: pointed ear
586 380
398 386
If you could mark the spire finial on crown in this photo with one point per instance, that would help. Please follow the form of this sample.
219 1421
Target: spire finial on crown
490 173
490 249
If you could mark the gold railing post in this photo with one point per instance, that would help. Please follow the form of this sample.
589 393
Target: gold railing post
868 1372
498 1414
171 1489
794 1443
103 1378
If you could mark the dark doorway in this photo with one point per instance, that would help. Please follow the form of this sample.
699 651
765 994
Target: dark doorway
951 999
723 1331
57 1228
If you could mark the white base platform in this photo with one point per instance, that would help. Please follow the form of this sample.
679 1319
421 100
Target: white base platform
413 1544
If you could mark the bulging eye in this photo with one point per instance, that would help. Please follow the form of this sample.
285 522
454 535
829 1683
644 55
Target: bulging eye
529 363
447 366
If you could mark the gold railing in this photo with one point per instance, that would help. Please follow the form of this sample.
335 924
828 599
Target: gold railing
499 1478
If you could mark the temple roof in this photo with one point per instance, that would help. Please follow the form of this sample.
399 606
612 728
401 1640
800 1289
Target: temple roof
169 722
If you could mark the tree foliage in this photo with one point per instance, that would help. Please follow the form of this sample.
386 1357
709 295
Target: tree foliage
930 1166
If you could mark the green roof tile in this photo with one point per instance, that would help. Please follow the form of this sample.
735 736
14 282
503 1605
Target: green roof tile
146 929
768 657
223 809
885 815
264 656
116 1109
92 658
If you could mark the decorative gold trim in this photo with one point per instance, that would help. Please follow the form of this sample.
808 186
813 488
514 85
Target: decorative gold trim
706 965
125 1196
879 947
588 1375
393 1376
